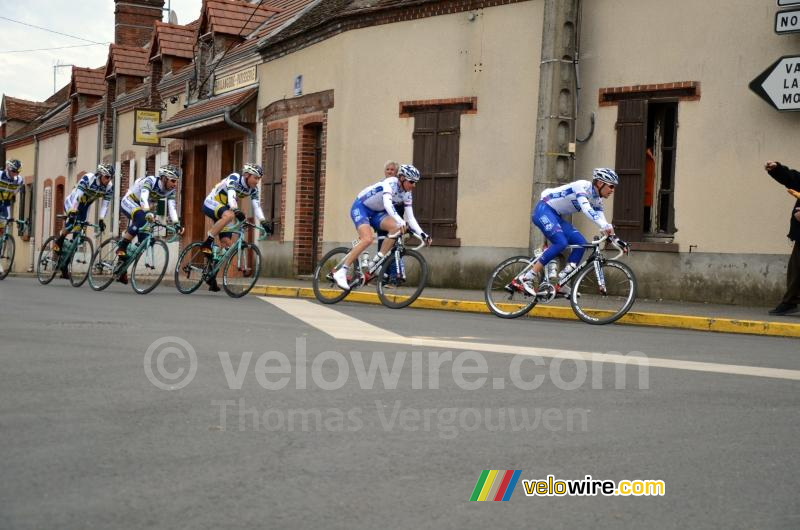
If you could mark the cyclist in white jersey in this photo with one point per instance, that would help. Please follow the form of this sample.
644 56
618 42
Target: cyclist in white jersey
91 186
10 184
374 208
579 196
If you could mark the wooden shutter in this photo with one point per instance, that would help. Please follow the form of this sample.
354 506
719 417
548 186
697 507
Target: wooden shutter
436 140
273 178
631 144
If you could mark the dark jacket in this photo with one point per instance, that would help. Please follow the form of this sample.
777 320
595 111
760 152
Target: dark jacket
791 179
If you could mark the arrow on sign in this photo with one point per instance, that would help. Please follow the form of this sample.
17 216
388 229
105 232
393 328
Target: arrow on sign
779 85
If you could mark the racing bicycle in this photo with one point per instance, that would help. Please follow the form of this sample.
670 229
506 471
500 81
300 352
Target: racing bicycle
73 259
7 247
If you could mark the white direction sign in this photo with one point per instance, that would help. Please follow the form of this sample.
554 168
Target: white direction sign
779 85
784 3
787 21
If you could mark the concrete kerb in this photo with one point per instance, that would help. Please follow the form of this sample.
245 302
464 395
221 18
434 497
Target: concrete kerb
662 320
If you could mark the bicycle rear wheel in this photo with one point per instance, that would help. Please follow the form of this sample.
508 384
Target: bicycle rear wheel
603 298
506 300
6 255
47 264
81 261
400 283
101 270
149 267
191 268
325 288
241 270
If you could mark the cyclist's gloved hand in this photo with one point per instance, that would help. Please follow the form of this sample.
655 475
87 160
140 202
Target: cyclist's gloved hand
102 225
267 226
71 216
608 230
426 238
240 216
149 217
178 228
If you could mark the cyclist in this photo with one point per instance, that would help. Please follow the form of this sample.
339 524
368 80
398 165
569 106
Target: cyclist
374 208
222 206
136 206
579 196
91 187
10 184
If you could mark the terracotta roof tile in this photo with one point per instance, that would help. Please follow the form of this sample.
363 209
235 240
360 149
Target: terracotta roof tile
174 40
59 120
127 60
235 17
89 81
61 96
22 109
210 107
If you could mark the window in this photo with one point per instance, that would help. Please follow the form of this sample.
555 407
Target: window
272 183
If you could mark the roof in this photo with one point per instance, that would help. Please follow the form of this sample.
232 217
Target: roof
173 40
59 120
89 81
317 15
127 60
61 96
235 17
22 109
207 109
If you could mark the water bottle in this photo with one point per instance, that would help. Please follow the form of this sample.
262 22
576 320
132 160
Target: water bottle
365 260
569 268
552 270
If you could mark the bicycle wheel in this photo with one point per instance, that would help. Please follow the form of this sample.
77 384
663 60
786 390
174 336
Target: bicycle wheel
81 261
149 267
603 300
401 283
47 264
6 255
101 270
503 299
241 270
325 288
191 268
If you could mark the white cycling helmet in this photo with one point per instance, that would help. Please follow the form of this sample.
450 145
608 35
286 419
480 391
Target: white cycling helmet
409 172
105 170
253 169
604 174
170 171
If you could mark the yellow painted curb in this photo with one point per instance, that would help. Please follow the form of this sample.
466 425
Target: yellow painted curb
663 320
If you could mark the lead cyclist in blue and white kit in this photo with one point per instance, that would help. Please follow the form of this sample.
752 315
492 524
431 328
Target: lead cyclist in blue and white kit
374 208
579 196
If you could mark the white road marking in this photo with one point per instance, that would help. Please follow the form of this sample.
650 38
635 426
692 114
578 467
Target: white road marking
344 327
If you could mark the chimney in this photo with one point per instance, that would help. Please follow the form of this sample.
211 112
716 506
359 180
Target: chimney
134 19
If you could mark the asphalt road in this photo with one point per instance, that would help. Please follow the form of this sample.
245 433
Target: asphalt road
282 425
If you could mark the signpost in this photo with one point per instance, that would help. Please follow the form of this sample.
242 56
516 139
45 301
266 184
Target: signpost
787 21
779 85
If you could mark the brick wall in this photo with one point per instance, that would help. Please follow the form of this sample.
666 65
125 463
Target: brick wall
304 244
133 21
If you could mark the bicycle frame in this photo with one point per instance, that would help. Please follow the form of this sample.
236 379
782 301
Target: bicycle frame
218 260
145 246
398 249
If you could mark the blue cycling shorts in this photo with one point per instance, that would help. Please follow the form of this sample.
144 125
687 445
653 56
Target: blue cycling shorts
360 215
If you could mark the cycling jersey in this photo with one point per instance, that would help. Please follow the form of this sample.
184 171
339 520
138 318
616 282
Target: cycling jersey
9 187
382 197
149 190
88 190
228 190
578 196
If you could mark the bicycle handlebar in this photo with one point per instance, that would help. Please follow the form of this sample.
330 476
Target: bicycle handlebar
616 242
400 233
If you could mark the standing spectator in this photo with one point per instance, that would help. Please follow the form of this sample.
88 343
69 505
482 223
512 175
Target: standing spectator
791 179
390 170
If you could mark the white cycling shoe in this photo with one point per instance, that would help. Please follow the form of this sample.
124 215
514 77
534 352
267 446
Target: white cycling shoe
340 277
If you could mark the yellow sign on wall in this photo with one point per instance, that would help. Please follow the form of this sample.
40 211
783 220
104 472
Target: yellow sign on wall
144 127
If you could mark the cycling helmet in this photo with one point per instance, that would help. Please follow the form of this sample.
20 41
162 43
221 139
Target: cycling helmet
409 172
13 165
170 171
604 174
253 169
105 170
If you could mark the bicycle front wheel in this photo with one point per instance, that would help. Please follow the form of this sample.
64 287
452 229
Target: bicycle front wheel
602 294
6 255
241 270
47 264
504 299
101 269
191 268
325 288
149 267
401 282
80 262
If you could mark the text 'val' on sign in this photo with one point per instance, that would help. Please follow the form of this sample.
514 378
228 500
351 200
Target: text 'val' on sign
779 85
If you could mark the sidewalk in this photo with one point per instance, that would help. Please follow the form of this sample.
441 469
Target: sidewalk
657 313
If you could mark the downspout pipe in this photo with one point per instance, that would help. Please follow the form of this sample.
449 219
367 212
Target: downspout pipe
100 121
251 136
117 175
32 220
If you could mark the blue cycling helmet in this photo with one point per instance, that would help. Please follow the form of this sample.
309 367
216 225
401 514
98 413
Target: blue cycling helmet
410 173
604 174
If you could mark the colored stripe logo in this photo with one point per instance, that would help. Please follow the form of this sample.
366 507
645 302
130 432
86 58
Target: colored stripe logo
495 485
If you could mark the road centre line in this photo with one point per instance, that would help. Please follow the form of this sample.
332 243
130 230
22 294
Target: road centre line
344 327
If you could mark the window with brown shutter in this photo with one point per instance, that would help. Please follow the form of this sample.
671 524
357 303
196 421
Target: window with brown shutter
272 183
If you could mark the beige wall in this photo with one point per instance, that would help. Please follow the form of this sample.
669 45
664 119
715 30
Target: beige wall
52 164
24 154
724 201
87 149
364 127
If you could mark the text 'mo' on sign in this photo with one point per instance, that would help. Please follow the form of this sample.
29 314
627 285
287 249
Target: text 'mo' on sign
779 85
